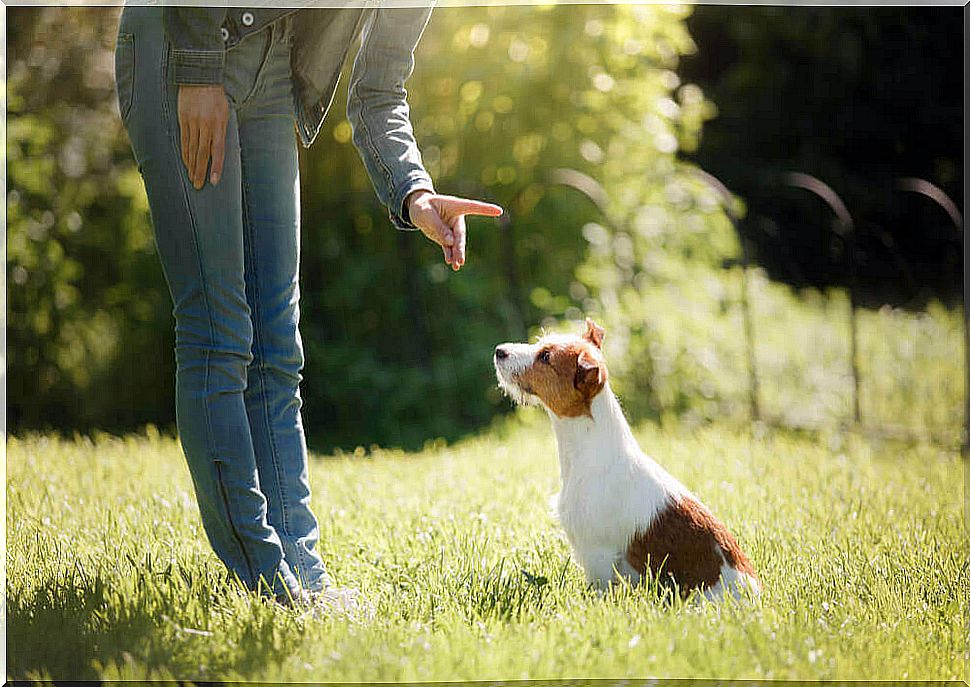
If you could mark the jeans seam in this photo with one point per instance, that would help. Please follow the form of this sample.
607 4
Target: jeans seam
260 367
232 525
163 87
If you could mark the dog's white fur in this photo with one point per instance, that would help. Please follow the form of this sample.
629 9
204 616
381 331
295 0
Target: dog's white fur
610 490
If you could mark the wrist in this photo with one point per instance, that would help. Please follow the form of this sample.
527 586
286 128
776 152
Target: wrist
415 196
410 203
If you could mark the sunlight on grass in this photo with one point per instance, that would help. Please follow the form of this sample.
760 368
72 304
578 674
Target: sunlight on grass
860 546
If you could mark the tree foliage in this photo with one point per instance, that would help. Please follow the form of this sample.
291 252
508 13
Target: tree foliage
398 347
88 323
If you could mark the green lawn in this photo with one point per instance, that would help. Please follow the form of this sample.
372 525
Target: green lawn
860 545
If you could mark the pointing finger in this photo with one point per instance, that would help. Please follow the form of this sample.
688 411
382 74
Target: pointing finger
475 207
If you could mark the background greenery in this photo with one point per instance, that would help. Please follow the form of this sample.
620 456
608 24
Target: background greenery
398 347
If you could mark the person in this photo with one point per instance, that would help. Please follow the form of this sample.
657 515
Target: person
209 98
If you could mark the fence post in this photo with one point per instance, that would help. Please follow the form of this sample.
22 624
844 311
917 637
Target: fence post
846 231
591 189
586 185
748 322
936 194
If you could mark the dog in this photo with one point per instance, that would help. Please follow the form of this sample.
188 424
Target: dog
622 513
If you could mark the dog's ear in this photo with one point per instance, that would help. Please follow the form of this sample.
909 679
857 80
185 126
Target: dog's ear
590 375
594 333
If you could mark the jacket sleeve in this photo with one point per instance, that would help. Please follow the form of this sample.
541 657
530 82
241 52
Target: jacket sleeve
198 51
378 110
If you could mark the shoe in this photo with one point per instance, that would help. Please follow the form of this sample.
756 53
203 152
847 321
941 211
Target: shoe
337 601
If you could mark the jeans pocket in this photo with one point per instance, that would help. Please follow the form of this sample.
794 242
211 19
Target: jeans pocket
125 73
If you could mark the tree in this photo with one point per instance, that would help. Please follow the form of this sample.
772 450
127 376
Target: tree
857 97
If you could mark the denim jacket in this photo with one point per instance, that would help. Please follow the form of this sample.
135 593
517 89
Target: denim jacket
376 103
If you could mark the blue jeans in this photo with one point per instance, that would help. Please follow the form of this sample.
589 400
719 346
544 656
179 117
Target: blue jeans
230 254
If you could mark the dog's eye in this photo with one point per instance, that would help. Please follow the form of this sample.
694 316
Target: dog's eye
543 356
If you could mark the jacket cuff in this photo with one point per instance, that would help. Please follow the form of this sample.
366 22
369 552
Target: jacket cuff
416 181
200 67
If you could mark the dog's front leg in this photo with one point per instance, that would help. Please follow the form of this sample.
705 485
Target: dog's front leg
603 566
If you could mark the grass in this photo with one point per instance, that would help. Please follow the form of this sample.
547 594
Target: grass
860 545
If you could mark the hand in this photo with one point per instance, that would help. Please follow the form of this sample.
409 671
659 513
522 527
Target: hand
442 219
203 113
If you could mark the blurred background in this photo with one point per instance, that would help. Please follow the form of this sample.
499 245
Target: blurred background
815 301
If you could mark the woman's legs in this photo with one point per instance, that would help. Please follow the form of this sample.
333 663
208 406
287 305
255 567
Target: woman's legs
204 240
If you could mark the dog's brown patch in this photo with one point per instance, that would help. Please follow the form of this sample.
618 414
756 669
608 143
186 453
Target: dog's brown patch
682 544
566 377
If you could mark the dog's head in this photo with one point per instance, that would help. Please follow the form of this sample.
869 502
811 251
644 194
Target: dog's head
563 373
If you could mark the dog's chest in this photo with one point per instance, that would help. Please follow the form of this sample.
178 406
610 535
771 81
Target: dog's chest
608 506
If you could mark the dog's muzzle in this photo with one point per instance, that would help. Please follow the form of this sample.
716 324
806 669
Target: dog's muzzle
509 360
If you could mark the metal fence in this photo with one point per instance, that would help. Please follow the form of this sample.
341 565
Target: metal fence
845 233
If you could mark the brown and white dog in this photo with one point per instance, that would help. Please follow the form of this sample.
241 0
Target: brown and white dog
622 512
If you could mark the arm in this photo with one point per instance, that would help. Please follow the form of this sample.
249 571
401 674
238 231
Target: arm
379 114
378 110
198 61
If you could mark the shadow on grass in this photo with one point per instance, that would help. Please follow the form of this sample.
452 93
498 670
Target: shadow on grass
62 631
74 630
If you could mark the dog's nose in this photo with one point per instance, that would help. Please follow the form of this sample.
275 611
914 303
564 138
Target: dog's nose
501 353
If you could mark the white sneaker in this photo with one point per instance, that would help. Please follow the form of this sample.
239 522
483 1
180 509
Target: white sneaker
337 601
